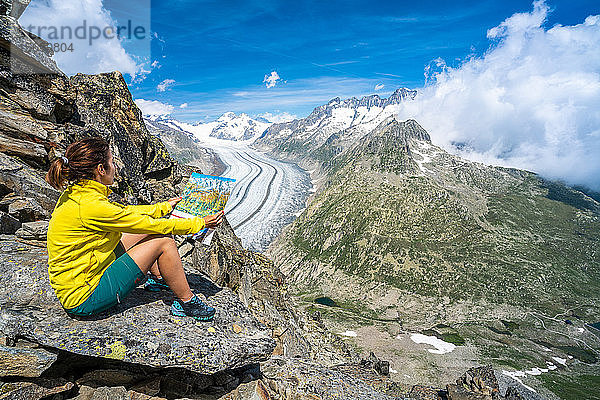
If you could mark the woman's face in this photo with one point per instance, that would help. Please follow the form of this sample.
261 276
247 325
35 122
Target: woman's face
106 176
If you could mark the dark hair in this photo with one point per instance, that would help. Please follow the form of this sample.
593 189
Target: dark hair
82 158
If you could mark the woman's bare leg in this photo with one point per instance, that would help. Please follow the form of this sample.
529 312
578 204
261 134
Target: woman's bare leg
162 249
131 239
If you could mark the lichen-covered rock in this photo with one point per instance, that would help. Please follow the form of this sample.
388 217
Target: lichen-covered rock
140 330
420 392
40 389
24 362
37 230
300 379
105 107
476 384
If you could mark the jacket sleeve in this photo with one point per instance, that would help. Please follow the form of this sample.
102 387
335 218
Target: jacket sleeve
154 210
107 216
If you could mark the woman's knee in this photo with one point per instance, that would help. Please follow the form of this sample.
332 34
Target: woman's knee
166 240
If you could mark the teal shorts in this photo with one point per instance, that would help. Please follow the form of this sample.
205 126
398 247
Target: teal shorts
119 279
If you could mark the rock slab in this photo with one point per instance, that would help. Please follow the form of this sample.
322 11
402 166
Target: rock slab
139 330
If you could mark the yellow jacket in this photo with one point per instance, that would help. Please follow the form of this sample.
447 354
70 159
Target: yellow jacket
86 227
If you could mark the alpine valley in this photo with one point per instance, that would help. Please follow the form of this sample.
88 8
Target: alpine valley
403 242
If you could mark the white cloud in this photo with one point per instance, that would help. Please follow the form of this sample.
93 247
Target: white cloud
184 105
379 86
271 80
154 108
104 55
155 64
279 117
165 85
531 101
242 94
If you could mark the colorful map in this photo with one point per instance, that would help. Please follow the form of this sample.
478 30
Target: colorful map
203 195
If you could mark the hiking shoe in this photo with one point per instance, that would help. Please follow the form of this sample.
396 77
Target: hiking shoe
194 308
154 284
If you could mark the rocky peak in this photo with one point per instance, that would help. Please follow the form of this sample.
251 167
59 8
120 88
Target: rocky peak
227 116
401 95
409 129
13 8
21 51
387 147
373 100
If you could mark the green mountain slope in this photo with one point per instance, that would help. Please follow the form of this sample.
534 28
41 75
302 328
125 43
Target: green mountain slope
405 232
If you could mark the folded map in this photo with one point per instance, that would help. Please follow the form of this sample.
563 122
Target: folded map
203 195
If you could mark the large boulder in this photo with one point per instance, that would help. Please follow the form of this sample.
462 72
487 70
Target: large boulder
36 230
106 108
26 209
25 361
140 330
18 177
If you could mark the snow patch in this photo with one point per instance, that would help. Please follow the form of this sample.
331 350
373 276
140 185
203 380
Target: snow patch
441 347
299 212
349 334
559 360
517 375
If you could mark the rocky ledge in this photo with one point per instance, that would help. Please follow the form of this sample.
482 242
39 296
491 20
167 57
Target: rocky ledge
140 330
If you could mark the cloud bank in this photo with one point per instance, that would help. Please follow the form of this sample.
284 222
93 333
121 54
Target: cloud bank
104 55
532 101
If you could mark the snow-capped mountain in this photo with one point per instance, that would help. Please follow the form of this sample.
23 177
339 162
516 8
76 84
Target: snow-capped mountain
228 126
354 117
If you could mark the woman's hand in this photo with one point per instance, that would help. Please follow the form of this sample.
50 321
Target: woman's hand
212 221
173 202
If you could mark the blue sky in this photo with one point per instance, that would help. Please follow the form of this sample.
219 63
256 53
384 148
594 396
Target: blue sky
218 53
517 83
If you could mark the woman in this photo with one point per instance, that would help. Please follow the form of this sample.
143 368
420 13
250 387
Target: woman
99 250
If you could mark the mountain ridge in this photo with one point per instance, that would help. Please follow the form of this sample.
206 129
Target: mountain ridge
401 228
296 139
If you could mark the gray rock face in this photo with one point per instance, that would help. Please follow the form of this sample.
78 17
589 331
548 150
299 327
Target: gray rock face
23 54
13 8
37 230
17 177
300 379
25 362
8 224
27 210
41 389
140 330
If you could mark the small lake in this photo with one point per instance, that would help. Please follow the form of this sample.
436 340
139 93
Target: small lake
326 301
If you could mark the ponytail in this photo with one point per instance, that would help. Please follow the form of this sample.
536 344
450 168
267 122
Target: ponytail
79 162
58 173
